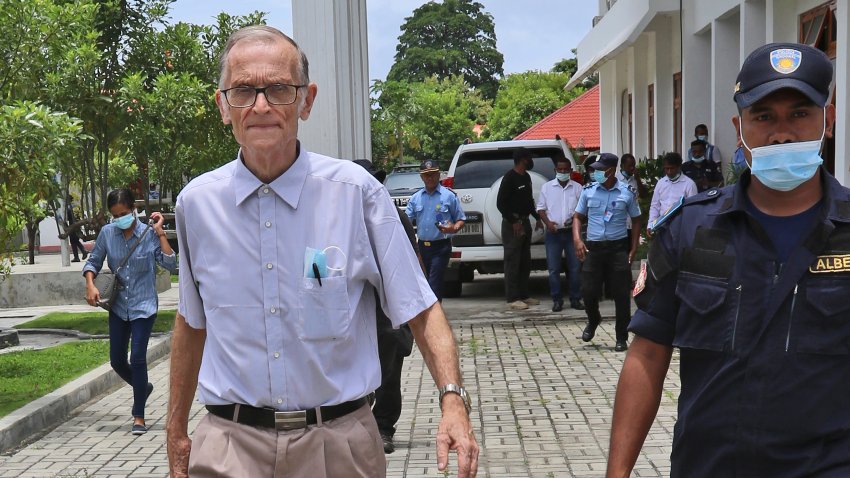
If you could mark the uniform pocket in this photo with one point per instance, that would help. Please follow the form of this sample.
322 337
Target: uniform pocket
825 327
324 310
705 315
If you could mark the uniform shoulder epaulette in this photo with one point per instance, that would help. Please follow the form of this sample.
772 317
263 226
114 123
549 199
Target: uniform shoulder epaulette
588 185
705 196
631 188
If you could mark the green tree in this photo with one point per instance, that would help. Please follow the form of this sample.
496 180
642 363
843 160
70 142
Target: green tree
455 37
570 66
525 99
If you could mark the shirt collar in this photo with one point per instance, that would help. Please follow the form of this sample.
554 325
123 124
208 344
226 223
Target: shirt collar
287 186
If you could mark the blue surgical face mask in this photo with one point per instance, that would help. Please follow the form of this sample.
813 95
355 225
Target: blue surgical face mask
563 177
783 167
699 159
675 177
598 176
702 138
124 222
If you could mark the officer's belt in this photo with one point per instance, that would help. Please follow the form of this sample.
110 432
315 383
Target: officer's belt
437 242
605 244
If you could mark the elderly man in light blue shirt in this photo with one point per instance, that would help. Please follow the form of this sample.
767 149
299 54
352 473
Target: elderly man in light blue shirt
281 251
670 189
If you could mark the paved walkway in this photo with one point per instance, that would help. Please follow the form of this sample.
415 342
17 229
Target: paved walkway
542 403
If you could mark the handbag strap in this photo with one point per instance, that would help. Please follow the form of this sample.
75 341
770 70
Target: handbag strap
139 240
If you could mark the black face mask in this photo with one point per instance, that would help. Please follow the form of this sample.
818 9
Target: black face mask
529 164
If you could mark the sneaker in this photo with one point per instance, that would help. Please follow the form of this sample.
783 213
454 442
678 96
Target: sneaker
531 301
139 430
389 446
558 306
576 304
517 305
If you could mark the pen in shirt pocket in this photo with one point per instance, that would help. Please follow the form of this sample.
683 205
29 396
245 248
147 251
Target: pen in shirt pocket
317 274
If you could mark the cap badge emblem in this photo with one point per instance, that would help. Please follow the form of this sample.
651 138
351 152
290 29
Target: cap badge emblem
785 60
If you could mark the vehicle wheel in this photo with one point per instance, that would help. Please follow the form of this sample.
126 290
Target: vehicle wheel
452 289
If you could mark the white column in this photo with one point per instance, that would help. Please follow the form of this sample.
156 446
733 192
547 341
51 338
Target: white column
753 27
781 21
622 98
696 80
640 112
333 35
608 105
666 64
725 48
842 99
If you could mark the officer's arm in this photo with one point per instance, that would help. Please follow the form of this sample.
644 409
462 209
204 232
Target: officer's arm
636 403
578 244
635 239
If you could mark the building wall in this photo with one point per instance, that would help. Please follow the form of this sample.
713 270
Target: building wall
717 37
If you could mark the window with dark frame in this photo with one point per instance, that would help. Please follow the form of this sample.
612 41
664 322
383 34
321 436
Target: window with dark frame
650 108
818 28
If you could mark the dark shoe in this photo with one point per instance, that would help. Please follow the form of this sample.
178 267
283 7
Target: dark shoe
85 254
558 306
389 447
139 430
76 259
576 304
621 346
150 391
588 333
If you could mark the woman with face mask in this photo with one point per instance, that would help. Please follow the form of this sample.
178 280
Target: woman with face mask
133 312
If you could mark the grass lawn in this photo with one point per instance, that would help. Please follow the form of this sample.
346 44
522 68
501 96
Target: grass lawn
30 374
95 322
174 278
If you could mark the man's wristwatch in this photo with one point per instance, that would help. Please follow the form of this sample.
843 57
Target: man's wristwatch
453 388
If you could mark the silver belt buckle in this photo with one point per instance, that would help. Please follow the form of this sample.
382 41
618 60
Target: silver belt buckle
290 420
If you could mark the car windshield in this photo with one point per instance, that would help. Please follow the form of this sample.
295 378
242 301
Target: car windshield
396 181
480 169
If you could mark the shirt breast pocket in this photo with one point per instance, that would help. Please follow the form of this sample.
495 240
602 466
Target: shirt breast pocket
825 326
705 317
324 310
140 262
594 204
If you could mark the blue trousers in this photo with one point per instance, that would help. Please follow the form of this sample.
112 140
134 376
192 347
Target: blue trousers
135 334
436 259
558 244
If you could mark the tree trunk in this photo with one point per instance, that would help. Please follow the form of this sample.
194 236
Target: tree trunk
32 230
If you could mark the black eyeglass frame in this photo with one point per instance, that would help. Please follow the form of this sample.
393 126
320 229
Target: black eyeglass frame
262 90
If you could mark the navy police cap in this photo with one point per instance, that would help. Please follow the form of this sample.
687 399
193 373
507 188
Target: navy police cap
428 166
784 65
605 161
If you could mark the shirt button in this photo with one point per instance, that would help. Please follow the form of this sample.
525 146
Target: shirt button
273 310
279 400
268 224
277 355
265 190
269 265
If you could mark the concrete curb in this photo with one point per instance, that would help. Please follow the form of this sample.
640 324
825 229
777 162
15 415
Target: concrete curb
50 410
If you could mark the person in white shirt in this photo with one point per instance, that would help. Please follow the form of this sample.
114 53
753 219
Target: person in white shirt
670 189
556 206
281 252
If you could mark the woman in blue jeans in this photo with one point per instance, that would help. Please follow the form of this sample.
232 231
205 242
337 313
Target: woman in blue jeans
133 311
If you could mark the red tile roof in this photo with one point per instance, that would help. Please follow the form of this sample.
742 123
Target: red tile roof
577 122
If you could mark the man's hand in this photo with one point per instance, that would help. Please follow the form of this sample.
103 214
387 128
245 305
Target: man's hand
581 250
632 253
519 231
538 225
179 445
552 227
455 433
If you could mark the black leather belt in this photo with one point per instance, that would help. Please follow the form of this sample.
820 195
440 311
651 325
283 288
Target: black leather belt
433 243
270 418
603 244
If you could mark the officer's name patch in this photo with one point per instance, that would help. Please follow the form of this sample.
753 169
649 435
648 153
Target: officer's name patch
826 264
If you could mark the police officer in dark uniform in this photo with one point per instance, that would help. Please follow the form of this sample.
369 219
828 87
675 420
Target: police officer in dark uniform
606 205
750 282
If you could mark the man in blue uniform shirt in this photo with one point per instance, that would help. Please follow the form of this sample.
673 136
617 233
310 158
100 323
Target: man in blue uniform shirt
437 214
606 205
750 282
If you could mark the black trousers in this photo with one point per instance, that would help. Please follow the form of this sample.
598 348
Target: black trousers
387 406
607 263
517 260
77 246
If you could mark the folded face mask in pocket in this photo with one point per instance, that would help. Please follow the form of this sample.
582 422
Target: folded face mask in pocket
317 257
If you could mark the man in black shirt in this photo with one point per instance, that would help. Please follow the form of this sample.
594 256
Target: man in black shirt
706 174
516 202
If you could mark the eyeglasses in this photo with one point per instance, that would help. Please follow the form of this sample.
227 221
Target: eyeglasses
276 94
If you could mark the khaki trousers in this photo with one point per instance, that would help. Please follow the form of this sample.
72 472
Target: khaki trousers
346 447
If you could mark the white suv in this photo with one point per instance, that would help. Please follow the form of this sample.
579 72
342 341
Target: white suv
475 174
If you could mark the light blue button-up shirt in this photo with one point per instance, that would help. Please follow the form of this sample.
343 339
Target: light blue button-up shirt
275 336
138 298
596 203
423 207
